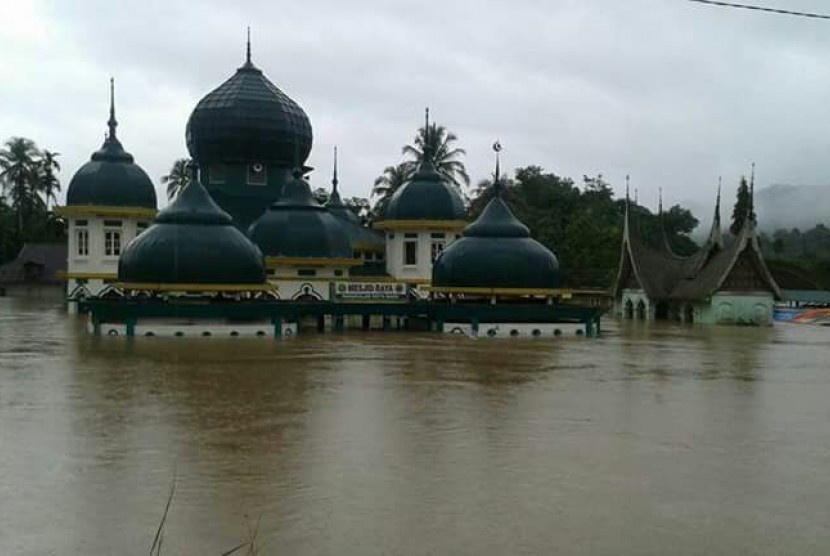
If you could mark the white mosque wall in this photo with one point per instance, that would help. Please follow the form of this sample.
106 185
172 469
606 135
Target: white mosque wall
428 243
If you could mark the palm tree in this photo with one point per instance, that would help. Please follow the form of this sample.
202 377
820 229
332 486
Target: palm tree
391 180
49 182
177 179
17 160
435 143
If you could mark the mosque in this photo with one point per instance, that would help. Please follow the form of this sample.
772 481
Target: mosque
245 249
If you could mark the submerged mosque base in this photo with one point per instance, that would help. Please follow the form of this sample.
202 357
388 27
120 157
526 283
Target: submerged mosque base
280 319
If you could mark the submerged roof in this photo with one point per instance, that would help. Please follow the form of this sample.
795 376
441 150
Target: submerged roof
665 275
111 178
36 263
496 252
193 241
298 226
248 118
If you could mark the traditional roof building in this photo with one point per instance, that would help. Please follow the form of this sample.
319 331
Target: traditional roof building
110 200
723 283
247 136
420 220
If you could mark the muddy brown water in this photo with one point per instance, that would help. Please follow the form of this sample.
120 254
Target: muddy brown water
649 440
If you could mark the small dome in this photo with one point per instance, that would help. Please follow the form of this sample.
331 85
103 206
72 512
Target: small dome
427 196
111 178
193 241
496 252
247 118
298 226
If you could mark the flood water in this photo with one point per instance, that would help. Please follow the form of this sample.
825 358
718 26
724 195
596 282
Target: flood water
649 440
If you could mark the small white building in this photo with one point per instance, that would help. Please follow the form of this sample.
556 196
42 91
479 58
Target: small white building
421 219
110 201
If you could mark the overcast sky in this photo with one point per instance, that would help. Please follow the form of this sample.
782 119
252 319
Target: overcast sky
673 93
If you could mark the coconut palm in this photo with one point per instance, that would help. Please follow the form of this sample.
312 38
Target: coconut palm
17 161
434 142
391 180
49 183
177 179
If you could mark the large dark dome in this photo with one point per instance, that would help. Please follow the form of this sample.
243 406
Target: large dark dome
496 252
192 242
247 118
298 226
427 196
111 178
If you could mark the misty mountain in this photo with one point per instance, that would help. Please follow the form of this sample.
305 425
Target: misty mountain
789 206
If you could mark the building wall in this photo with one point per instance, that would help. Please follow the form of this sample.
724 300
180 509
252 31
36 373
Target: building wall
738 308
91 270
635 297
395 251
291 284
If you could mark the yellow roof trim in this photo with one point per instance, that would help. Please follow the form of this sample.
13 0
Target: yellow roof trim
65 275
91 210
275 262
547 292
196 287
421 225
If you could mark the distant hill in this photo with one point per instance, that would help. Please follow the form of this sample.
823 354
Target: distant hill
791 206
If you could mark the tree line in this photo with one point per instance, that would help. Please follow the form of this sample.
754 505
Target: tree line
28 184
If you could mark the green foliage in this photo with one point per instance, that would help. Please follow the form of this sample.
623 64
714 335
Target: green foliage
583 226
434 143
391 180
176 179
741 209
28 181
807 253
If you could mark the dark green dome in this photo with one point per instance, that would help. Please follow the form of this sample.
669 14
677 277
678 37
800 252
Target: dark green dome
496 252
111 178
426 196
247 118
298 226
193 241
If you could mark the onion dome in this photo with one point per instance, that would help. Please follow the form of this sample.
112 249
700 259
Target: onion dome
111 178
426 196
193 241
496 252
247 118
298 226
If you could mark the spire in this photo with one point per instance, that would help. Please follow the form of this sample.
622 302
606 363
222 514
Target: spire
112 123
660 202
334 174
715 235
666 243
752 195
627 215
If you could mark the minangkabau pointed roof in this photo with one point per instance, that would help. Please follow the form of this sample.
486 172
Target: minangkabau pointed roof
664 275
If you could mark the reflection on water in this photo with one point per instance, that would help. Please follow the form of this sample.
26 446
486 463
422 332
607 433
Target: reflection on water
648 440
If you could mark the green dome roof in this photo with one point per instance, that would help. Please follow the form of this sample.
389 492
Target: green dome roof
111 178
192 242
496 252
298 226
247 118
426 196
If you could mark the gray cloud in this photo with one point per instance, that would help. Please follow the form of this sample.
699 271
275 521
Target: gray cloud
671 92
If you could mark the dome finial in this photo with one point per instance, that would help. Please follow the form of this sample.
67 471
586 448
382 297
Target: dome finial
660 201
497 187
248 48
752 195
112 123
334 174
428 155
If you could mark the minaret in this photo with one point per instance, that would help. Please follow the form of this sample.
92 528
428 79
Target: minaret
716 235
